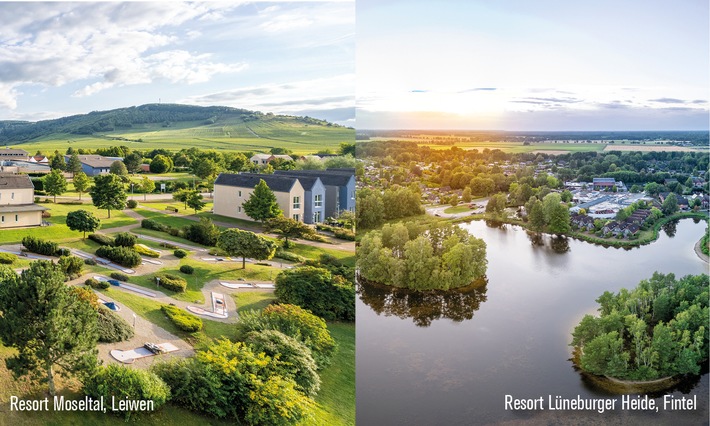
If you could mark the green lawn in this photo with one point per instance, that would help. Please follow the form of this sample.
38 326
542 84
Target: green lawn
457 209
257 300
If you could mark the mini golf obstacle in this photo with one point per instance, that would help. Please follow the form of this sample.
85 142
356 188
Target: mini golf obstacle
129 356
126 286
111 305
219 307
247 285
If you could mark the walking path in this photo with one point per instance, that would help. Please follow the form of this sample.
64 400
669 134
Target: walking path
699 251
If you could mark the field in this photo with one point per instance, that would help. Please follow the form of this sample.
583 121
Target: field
230 135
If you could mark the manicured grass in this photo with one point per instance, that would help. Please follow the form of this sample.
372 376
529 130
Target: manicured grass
257 300
180 206
457 209
312 252
165 236
336 399
245 224
166 219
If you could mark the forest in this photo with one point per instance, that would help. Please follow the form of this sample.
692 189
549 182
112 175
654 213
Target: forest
657 329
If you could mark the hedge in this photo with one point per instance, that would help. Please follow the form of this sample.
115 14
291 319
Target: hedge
125 239
172 282
185 321
180 253
124 256
152 224
39 246
119 276
93 283
7 258
146 251
112 328
287 255
102 239
344 234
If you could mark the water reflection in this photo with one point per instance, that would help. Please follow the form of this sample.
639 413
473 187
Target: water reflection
423 307
559 245
670 228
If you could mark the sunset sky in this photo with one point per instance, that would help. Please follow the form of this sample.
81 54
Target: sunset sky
60 58
533 65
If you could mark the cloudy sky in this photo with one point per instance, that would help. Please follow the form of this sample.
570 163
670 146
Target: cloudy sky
61 58
533 65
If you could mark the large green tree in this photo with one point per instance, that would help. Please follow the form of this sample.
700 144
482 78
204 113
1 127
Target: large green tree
108 193
118 168
236 242
82 220
316 289
81 183
57 161
74 164
262 204
669 206
47 324
55 183
161 164
133 162
147 186
194 201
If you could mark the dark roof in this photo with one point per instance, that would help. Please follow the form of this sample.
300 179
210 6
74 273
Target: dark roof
13 151
350 170
329 178
13 181
15 208
95 161
250 180
307 182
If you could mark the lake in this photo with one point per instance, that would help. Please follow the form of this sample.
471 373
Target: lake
450 359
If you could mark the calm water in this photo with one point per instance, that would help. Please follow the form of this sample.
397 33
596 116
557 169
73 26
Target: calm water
450 360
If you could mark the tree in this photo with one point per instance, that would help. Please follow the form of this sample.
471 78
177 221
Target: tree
108 193
161 164
48 325
262 204
81 183
238 162
669 206
288 228
118 168
194 201
146 186
55 183
236 242
181 195
536 217
559 220
133 162
204 168
496 204
369 210
466 196
82 220
74 164
57 161
204 232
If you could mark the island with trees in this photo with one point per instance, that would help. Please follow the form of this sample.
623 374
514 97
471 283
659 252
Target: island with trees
653 333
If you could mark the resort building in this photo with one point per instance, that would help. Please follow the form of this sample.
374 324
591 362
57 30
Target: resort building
17 207
232 190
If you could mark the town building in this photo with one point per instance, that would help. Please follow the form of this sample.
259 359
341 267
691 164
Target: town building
94 165
14 154
17 207
339 187
232 190
314 198
264 159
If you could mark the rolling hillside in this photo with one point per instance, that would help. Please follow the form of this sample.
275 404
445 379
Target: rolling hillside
174 127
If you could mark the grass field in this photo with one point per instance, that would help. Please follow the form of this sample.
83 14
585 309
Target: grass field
457 209
229 135
516 147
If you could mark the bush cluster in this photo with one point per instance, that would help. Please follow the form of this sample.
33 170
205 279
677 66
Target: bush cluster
187 269
204 232
125 239
344 234
316 289
168 246
7 258
172 282
94 283
102 239
287 255
39 246
119 276
146 251
124 256
154 225
185 321
180 253
90 261
71 265
132 204
112 328
121 383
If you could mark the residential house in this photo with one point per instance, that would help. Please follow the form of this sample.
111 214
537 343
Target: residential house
232 190
264 159
339 188
13 154
17 208
94 165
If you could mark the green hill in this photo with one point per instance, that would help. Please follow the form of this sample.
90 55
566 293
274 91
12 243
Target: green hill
173 127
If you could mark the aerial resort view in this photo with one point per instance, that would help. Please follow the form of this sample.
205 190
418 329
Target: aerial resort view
533 213
177 214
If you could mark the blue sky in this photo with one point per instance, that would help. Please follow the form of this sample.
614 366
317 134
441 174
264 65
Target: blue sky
58 58
533 65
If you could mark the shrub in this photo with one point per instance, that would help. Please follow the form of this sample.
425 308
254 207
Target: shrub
46 214
315 237
168 246
287 255
71 265
173 231
120 383
122 255
102 239
204 232
187 269
39 246
89 261
132 204
87 296
316 289
112 328
344 234
146 251
7 258
119 276
295 322
172 282
125 239
62 252
94 283
180 253
152 224
185 321
292 359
